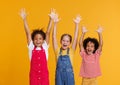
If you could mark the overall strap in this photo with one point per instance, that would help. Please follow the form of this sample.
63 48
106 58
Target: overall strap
36 47
41 47
68 51
60 53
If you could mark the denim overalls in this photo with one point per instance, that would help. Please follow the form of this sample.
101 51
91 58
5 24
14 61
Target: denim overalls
64 71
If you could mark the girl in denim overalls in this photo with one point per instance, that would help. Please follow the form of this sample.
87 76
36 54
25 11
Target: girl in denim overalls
64 54
38 51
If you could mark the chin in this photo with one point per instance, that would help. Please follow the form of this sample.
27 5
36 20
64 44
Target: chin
38 45
64 48
89 53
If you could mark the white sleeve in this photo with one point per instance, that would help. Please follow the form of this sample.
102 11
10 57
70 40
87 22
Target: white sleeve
30 48
45 47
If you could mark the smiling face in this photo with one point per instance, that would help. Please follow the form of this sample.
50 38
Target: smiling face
90 48
38 40
65 42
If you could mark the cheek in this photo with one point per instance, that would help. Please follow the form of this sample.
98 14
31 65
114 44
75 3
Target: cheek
34 41
62 42
41 40
93 48
86 47
68 43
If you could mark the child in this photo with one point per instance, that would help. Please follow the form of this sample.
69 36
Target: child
90 50
64 55
38 51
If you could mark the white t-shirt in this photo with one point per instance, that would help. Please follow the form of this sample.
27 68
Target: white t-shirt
31 47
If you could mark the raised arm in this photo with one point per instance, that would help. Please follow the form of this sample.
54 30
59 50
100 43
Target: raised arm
26 27
99 31
76 21
84 30
51 16
54 38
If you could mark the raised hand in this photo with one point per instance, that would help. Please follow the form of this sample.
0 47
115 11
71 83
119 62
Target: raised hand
84 30
23 13
56 18
26 27
100 29
52 16
77 19
52 13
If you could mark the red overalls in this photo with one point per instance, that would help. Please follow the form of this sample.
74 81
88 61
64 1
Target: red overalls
38 71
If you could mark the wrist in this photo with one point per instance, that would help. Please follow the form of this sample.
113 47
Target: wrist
24 19
99 32
83 33
55 23
76 24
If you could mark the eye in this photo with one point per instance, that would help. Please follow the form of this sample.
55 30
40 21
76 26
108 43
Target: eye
63 40
35 38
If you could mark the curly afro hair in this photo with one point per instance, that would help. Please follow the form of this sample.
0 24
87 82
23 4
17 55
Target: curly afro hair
38 31
93 40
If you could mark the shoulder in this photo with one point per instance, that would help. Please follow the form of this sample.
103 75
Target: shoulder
82 53
72 51
30 45
45 45
97 52
57 51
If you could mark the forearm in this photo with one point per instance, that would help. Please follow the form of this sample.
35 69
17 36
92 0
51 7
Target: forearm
75 36
81 41
100 40
49 26
26 27
48 31
54 38
27 31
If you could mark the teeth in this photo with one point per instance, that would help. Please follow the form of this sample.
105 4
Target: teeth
89 50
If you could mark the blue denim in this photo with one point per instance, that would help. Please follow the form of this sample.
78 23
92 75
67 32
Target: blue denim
64 71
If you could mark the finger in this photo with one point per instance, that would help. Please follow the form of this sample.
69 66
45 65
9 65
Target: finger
22 10
56 13
78 16
20 13
54 10
84 28
51 10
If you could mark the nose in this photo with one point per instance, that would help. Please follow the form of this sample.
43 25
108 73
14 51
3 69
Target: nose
38 41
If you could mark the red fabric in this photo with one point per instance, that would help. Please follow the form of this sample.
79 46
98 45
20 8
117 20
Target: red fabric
39 72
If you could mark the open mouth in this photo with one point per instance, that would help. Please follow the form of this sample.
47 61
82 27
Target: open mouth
64 45
38 43
89 51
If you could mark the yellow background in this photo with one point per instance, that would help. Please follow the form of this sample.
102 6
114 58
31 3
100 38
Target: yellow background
14 61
